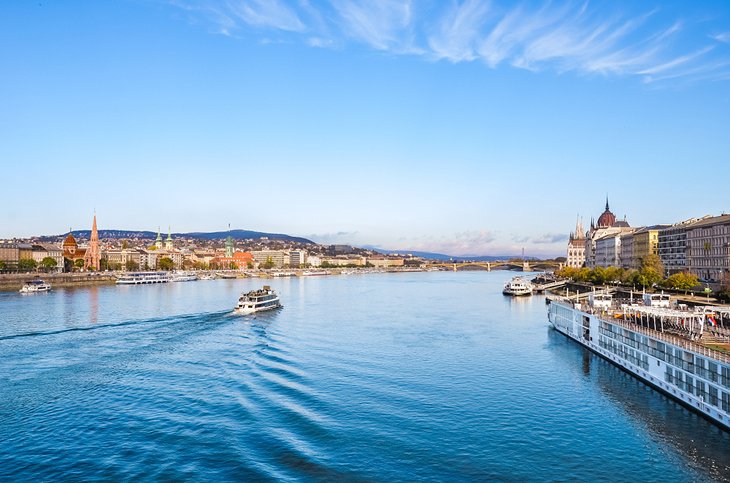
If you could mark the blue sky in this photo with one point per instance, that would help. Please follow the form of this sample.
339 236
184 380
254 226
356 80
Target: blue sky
463 127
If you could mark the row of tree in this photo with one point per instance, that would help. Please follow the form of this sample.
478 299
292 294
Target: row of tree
649 274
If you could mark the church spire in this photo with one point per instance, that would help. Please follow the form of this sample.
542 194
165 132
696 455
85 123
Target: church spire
607 202
92 258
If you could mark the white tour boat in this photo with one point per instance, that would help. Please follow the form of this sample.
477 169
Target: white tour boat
672 350
314 273
33 286
258 301
183 277
517 286
138 278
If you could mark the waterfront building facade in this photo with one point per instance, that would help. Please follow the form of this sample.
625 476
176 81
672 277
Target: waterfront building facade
278 257
708 242
42 251
9 255
673 245
576 256
607 225
627 250
297 258
608 250
646 242
382 262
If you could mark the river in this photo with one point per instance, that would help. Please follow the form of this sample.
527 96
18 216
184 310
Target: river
388 377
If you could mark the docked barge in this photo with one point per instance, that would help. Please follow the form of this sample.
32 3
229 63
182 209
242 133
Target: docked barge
666 348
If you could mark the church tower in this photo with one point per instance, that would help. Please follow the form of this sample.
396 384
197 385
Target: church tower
229 247
158 240
92 258
168 242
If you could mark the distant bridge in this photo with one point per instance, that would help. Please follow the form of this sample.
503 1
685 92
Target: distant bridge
529 265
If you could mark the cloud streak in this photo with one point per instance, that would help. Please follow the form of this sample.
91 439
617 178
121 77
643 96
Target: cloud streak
583 38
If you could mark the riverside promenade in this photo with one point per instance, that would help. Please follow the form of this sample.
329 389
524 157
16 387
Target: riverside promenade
13 281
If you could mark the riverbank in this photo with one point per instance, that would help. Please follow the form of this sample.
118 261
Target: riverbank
14 281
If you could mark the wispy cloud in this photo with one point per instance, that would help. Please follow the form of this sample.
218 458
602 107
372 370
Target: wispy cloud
333 238
549 238
585 38
460 244
722 37
382 24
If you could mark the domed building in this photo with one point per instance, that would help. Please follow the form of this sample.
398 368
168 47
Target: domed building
607 218
603 243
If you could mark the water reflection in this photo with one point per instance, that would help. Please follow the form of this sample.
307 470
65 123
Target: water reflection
701 444
93 305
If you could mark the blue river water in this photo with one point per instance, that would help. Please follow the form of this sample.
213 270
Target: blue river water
381 377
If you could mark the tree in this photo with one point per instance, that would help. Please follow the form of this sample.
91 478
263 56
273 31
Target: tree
268 264
103 264
48 263
2 265
681 281
249 265
651 271
115 266
724 293
26 265
131 265
79 263
166 264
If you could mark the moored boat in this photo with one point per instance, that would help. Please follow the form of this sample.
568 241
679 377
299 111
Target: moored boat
516 287
139 278
671 349
34 286
183 276
258 301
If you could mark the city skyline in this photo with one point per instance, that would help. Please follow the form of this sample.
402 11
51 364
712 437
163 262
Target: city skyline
468 128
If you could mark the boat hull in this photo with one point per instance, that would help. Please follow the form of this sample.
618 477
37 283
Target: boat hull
650 370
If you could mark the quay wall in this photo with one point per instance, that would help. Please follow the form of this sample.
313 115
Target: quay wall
13 281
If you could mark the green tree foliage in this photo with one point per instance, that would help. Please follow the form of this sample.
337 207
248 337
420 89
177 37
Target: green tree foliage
79 263
268 264
681 281
165 263
2 265
249 265
48 263
598 276
651 271
131 265
26 265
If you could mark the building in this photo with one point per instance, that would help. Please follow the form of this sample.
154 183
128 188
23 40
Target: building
297 258
606 225
92 257
119 259
71 249
9 255
344 261
608 250
646 242
708 242
279 258
627 250
42 251
576 246
382 262
239 261
673 245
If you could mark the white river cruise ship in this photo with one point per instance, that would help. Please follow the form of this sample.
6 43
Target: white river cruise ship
666 348
139 278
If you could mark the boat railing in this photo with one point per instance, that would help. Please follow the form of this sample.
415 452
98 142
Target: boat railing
663 336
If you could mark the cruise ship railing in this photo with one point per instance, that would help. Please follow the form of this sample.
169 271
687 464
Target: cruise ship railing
671 339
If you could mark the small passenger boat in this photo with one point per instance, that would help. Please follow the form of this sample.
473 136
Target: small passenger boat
517 286
258 301
33 286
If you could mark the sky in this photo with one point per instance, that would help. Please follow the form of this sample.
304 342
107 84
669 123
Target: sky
461 127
